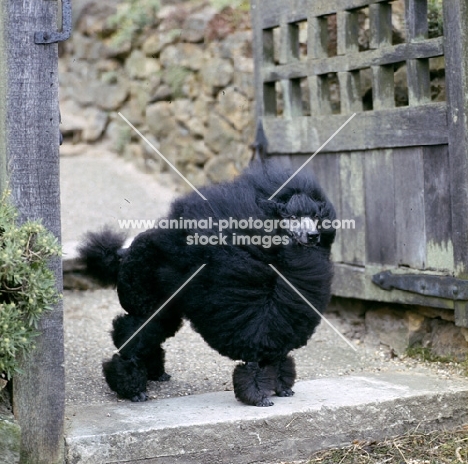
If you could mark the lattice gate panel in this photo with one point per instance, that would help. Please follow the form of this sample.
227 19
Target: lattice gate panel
397 167
293 85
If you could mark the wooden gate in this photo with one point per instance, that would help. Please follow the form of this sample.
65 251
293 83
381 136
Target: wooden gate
399 169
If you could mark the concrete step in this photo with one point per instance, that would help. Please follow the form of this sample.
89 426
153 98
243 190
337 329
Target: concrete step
215 428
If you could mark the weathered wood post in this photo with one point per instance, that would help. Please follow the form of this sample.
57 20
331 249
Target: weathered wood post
29 164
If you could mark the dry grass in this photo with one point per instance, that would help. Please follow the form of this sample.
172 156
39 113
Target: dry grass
450 447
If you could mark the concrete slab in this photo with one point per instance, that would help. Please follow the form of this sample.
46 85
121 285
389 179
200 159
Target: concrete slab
215 428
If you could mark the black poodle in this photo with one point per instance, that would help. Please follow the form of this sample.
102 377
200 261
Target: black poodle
241 302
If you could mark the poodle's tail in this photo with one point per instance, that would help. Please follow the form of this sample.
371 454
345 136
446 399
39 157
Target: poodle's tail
101 253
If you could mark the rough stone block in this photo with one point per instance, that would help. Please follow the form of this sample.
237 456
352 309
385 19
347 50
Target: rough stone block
215 428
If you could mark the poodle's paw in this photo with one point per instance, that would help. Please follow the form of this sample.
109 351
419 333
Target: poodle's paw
264 402
164 377
141 397
285 392
254 384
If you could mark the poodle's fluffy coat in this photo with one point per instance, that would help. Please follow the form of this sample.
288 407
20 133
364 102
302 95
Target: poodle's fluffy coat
237 303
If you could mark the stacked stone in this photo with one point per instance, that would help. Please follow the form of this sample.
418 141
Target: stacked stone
186 83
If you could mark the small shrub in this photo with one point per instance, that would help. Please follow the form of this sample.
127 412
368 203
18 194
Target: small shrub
27 285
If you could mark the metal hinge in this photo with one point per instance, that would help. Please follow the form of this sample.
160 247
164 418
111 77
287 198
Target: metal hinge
43 37
429 285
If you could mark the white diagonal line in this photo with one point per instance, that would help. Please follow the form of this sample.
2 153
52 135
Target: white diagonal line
160 154
161 307
318 150
313 307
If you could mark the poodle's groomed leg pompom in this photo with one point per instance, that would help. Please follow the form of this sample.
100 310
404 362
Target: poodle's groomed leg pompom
286 375
127 377
254 384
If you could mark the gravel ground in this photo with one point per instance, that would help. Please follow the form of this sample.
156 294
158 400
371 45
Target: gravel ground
196 368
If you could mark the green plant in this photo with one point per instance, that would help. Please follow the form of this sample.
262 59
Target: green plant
175 77
27 285
131 18
425 354
435 18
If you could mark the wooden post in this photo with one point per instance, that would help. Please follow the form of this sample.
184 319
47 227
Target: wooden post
456 65
3 97
456 61
29 125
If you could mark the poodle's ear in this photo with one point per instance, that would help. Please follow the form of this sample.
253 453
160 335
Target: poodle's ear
271 207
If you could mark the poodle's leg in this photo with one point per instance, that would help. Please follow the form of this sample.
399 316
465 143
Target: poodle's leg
127 377
154 363
254 384
285 376
126 372
157 331
142 358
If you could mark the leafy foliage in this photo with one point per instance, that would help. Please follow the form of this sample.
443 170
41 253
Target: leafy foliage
131 17
27 285
435 18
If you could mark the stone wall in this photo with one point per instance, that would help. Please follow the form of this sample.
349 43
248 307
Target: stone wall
185 82
394 328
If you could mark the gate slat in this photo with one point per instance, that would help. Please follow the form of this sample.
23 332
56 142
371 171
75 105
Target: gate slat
409 207
380 207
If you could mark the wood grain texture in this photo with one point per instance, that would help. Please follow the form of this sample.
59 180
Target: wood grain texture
350 92
380 208
32 137
382 56
326 169
296 97
393 168
383 87
347 32
419 83
353 245
3 98
380 19
397 127
285 55
456 36
287 90
317 40
319 95
415 19
263 52
356 282
408 171
273 11
438 209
